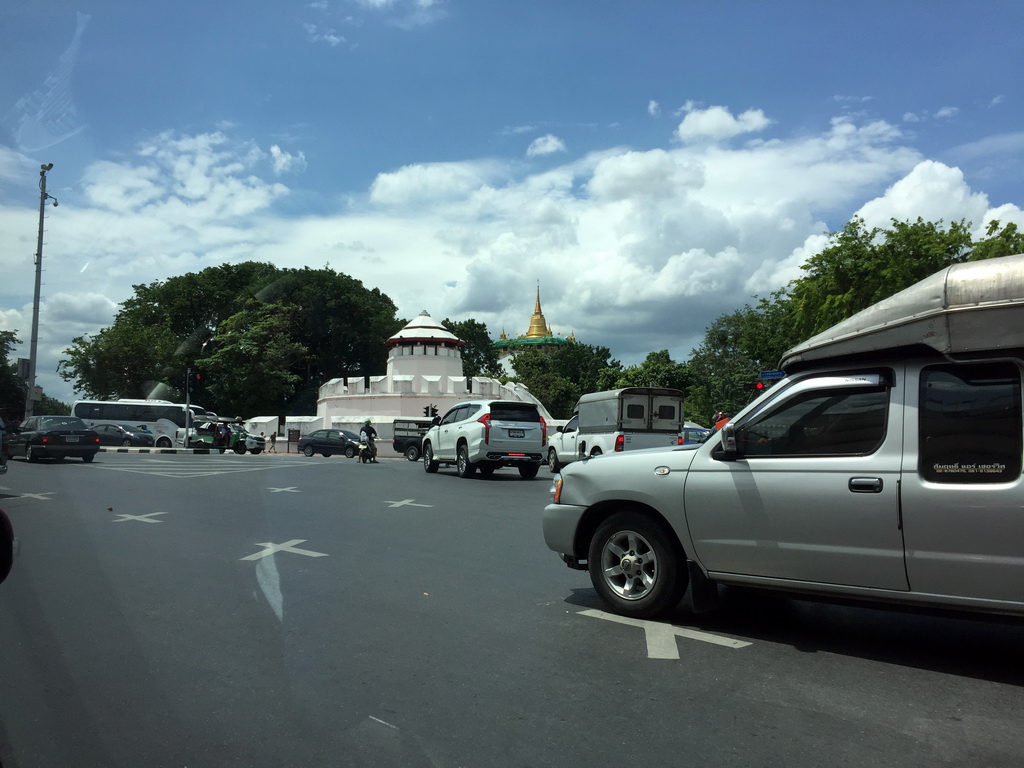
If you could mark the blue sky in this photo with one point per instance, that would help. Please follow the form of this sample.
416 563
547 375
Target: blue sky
652 164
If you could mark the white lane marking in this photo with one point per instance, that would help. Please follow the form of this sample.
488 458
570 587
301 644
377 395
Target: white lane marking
661 638
40 496
405 503
378 720
270 584
290 489
288 546
141 518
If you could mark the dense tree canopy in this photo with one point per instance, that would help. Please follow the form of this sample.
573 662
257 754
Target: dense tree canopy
558 377
266 338
859 267
479 357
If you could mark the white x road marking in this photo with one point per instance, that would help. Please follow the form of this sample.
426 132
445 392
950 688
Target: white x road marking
141 518
291 489
661 638
288 546
41 496
405 503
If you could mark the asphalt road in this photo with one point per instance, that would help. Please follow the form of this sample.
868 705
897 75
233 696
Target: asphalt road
180 610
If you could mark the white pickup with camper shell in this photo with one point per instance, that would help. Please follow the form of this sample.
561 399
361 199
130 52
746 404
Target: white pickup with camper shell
886 466
618 420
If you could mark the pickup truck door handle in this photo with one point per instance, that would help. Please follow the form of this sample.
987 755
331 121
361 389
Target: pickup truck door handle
866 484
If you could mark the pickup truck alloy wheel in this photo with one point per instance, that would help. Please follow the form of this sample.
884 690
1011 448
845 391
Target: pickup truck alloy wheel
553 464
429 465
463 465
633 566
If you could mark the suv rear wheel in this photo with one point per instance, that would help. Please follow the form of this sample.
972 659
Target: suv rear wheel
463 465
528 471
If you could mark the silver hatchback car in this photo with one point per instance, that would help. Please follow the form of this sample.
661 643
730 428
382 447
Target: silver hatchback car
483 435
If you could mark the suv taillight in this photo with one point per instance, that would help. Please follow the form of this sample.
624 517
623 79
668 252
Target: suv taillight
620 443
543 432
486 421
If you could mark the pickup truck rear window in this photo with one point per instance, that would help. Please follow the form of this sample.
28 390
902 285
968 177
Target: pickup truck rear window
970 427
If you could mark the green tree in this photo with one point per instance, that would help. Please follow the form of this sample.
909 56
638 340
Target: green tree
657 370
719 368
12 388
334 327
560 376
479 357
998 242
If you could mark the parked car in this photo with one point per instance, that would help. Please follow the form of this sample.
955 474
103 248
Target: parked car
886 466
693 434
328 442
485 435
55 437
222 435
123 434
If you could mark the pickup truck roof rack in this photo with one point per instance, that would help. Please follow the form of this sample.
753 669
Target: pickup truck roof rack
968 307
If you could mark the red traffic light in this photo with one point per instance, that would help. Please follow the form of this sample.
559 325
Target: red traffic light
759 385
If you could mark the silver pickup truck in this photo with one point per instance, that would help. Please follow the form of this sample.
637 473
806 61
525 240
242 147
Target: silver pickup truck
885 466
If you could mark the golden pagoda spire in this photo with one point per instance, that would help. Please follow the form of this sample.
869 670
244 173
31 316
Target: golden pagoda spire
538 325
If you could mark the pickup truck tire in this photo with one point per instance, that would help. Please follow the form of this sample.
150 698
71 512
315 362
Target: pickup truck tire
429 465
412 453
553 463
463 466
528 471
596 452
349 451
239 448
634 567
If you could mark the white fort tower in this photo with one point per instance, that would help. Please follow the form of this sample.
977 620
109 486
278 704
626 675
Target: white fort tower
424 370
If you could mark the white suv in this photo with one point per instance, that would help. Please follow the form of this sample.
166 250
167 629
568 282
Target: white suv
485 435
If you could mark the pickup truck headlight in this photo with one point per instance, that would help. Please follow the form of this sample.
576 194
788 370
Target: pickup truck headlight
556 488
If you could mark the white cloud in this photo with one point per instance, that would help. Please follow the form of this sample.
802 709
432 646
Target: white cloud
319 34
284 162
545 145
718 123
947 113
635 250
910 117
426 182
653 108
996 100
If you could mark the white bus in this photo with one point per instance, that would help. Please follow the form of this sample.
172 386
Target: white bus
161 417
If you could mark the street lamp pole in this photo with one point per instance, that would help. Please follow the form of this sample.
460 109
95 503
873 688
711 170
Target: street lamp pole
34 343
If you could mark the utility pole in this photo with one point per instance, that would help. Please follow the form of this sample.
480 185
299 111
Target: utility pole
30 394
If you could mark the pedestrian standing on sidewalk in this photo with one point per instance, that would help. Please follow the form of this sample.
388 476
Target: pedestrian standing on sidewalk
273 442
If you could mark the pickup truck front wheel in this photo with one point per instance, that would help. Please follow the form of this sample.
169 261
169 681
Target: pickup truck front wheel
634 568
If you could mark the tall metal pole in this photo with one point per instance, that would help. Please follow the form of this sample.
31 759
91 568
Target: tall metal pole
33 344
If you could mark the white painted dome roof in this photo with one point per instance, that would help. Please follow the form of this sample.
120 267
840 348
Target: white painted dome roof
424 328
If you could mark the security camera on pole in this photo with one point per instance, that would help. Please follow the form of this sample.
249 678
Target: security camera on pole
31 394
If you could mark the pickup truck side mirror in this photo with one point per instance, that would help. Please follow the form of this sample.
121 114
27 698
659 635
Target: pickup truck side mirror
729 440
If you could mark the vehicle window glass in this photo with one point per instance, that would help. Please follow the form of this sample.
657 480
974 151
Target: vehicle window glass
573 424
63 422
828 422
452 415
470 410
634 411
970 423
666 411
514 412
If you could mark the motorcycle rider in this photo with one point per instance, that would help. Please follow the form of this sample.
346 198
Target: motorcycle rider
368 435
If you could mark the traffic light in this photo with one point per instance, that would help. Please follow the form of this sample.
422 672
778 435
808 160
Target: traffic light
426 410
433 410
195 381
757 386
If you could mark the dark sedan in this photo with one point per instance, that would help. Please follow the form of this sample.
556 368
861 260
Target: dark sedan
55 437
123 434
328 442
